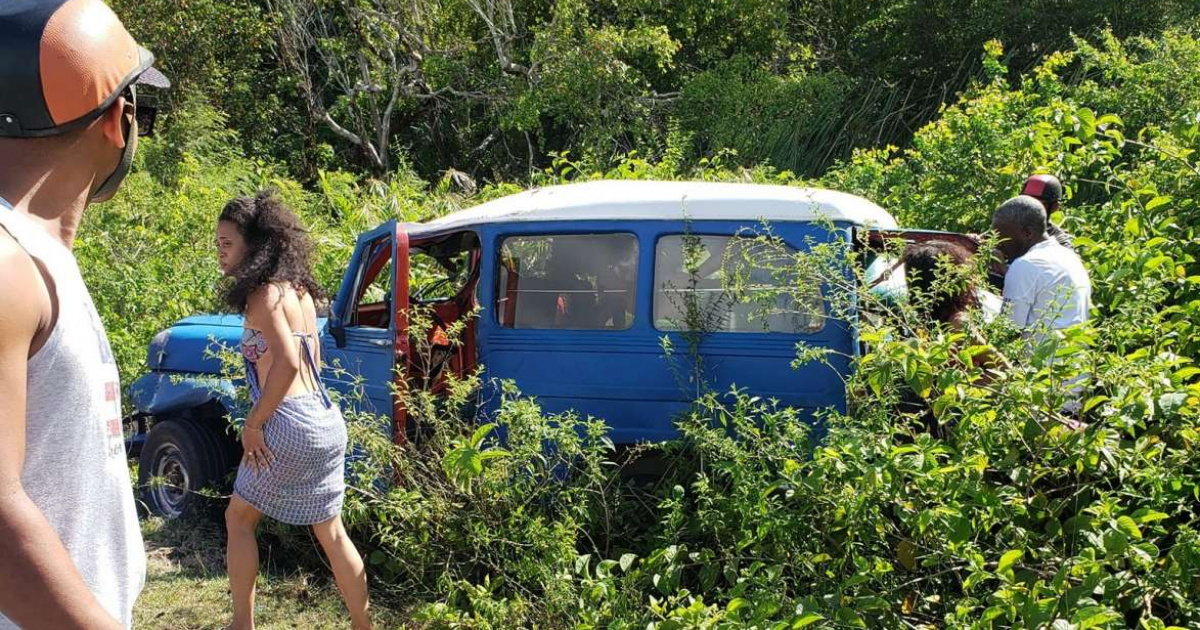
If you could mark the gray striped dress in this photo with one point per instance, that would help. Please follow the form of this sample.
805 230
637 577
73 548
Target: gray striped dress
306 483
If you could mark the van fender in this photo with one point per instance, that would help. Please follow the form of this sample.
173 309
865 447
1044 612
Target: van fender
162 393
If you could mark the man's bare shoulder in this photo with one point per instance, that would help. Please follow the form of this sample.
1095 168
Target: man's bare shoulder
16 267
20 289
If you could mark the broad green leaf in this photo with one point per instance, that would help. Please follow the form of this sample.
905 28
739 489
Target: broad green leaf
463 463
849 617
1097 619
960 530
944 402
1186 373
1154 242
806 620
481 433
868 604
1130 528
1158 261
878 379
736 604
495 453
974 578
604 568
1087 122
1159 201
1009 559
1092 402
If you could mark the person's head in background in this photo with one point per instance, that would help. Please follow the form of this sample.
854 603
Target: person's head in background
68 113
937 276
1046 189
1021 223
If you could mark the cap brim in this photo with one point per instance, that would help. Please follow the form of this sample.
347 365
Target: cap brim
151 76
154 78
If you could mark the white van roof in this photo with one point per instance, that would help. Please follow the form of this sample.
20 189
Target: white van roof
637 200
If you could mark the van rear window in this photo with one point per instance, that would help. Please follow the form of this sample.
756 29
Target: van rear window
567 281
731 284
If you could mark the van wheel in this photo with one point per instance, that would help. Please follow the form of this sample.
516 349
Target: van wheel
179 458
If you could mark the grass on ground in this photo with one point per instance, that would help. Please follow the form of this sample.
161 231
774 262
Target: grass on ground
186 584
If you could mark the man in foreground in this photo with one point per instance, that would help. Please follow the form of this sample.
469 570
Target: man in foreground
70 545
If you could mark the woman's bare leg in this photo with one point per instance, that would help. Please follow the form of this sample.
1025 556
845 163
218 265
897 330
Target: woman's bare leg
241 559
348 569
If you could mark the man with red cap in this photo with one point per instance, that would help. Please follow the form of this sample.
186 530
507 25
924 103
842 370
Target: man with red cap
71 548
1048 190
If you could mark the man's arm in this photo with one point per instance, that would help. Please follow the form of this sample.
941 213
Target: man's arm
39 585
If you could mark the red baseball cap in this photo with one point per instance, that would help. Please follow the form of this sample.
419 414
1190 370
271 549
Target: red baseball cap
63 63
1045 188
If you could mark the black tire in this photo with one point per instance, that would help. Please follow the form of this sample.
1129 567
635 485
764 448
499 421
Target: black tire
179 458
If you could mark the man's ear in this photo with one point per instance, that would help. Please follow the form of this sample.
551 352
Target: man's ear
112 122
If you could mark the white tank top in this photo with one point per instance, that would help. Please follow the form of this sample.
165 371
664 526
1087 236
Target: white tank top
75 465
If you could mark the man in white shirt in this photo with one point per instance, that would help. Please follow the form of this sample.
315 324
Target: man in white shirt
1046 286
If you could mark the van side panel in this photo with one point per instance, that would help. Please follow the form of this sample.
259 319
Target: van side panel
624 377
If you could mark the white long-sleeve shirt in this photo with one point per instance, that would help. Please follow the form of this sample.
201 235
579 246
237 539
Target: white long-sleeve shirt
1047 289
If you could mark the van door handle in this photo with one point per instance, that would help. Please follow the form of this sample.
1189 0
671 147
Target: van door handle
382 343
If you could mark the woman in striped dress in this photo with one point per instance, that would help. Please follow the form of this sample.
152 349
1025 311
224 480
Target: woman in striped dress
294 438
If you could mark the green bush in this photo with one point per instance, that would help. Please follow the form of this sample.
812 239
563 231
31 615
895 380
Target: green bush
1001 516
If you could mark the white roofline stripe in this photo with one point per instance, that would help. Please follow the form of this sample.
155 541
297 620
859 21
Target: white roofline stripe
639 200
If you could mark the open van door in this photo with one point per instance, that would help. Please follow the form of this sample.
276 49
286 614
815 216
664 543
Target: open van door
443 292
366 338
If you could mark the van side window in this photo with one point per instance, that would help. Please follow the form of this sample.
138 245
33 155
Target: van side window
373 306
731 284
567 282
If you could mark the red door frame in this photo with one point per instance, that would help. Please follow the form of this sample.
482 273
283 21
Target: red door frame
401 346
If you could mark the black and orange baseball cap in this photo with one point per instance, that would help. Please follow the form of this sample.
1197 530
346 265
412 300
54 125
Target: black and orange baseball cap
63 63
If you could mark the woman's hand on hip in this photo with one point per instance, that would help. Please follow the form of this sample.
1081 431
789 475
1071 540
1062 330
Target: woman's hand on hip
254 448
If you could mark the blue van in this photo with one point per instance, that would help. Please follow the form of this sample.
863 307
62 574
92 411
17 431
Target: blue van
569 291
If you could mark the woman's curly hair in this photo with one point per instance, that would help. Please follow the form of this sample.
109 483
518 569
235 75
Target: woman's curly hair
928 269
277 249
